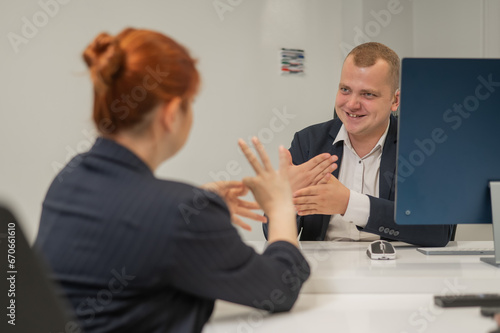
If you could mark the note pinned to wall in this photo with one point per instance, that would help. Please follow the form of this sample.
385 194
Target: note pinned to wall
292 61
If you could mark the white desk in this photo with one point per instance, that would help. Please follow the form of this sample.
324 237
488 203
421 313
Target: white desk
348 292
343 267
352 313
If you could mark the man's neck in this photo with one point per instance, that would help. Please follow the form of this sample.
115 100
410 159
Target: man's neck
363 144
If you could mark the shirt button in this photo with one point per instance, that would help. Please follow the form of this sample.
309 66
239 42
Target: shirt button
359 162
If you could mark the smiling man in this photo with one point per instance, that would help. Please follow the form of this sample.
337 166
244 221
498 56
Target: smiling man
356 201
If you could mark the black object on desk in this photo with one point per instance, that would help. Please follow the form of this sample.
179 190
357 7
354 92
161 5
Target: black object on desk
489 311
452 301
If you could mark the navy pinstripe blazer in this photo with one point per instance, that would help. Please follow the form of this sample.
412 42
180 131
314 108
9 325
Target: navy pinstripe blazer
134 253
318 139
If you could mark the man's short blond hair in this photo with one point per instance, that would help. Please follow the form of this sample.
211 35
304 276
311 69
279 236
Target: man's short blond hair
365 55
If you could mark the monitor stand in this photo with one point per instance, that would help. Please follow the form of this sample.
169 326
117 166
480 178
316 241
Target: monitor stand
495 212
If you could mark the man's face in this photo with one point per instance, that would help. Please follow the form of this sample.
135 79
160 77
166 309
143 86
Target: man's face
365 99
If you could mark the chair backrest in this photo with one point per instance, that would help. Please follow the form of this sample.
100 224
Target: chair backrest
30 298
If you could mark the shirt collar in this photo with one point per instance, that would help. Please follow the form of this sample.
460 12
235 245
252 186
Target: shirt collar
344 136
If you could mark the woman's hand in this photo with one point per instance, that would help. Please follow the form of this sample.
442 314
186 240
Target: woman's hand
272 191
231 191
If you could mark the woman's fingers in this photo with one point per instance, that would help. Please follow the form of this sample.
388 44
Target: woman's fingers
252 159
263 154
239 222
284 161
248 204
243 212
221 187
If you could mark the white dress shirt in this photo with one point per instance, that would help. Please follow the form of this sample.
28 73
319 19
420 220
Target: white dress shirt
361 176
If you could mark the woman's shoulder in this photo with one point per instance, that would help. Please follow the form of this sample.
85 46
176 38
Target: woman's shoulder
192 205
178 189
183 193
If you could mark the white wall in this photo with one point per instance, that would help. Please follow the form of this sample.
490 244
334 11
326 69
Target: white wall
46 100
491 10
391 23
455 26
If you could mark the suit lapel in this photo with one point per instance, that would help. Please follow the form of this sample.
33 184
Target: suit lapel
336 149
388 162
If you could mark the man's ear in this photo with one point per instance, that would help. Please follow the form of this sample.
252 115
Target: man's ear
395 101
169 114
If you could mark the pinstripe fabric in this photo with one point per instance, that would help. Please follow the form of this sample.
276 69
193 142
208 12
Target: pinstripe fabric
134 253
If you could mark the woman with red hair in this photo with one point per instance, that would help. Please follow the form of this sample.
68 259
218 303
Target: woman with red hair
134 253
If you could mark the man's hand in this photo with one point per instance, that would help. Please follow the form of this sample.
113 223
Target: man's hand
329 197
230 191
311 172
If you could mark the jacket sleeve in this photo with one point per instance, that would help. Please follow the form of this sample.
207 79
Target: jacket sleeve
381 222
209 259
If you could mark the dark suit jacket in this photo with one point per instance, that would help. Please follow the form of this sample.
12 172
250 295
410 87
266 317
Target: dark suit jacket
134 253
318 139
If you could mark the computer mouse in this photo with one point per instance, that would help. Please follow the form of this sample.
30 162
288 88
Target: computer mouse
381 250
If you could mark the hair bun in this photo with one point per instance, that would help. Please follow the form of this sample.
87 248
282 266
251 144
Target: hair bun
105 59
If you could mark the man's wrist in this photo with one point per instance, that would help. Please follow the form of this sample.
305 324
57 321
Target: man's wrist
345 201
358 209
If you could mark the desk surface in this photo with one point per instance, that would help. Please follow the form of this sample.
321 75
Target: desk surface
343 267
353 313
348 292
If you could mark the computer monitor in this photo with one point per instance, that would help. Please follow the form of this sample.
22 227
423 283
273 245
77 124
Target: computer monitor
449 143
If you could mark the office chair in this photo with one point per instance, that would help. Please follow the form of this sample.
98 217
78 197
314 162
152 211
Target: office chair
35 305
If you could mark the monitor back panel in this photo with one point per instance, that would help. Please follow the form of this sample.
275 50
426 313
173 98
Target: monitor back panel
448 141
